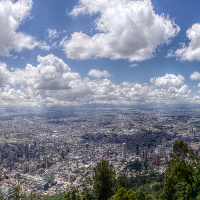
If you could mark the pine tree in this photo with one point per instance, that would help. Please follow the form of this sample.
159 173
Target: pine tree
104 180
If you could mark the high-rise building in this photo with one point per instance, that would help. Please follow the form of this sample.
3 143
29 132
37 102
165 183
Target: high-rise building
35 144
161 151
145 155
157 160
52 177
159 148
49 177
124 151
42 185
32 168
25 167
46 176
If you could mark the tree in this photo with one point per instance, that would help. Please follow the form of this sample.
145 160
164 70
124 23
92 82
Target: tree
169 186
104 180
72 195
122 181
86 191
136 165
149 197
180 149
140 195
123 194
196 184
179 182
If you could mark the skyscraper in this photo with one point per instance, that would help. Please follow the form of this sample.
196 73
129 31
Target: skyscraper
52 177
49 177
157 159
35 144
161 149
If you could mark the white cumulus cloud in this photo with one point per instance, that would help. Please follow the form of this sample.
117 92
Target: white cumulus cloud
192 51
4 75
12 15
52 34
169 80
98 74
51 82
126 30
195 76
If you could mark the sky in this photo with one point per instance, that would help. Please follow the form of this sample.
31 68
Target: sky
74 52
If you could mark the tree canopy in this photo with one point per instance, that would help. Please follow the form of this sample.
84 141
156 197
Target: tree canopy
104 180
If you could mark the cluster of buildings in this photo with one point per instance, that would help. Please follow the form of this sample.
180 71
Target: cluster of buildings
57 173
53 149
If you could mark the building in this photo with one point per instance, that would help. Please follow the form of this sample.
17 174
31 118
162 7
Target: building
25 167
32 168
46 176
157 159
49 177
162 153
42 186
52 178
161 149
35 144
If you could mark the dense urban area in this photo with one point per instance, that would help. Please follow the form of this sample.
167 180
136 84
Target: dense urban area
52 149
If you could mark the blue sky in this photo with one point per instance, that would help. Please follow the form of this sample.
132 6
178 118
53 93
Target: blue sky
82 52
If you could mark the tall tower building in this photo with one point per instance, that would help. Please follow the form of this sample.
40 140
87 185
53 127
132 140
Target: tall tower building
46 176
52 177
145 155
159 148
35 144
124 151
157 159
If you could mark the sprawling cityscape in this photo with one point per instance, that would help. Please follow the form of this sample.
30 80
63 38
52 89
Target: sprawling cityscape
54 148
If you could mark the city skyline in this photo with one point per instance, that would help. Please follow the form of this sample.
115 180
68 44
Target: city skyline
114 52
